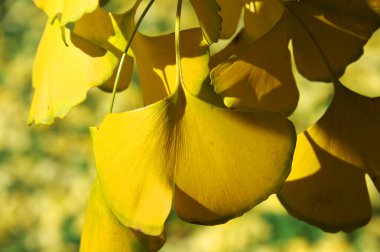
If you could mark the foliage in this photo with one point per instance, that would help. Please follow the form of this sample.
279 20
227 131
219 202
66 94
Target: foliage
215 150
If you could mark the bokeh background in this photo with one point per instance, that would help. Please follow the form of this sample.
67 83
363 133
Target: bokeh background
46 173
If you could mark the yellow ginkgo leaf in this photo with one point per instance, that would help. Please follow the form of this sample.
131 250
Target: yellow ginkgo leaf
349 130
67 10
214 155
135 164
62 74
106 30
155 57
209 19
102 231
258 75
219 160
261 15
336 30
125 77
324 190
230 12
110 32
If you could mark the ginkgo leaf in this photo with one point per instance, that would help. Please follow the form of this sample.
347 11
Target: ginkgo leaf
258 75
107 30
62 74
176 138
339 28
88 59
67 10
261 15
365 70
102 231
209 19
125 77
349 130
181 140
324 190
111 32
158 53
220 162
135 166
230 12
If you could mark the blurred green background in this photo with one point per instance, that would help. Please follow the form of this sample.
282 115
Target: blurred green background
46 173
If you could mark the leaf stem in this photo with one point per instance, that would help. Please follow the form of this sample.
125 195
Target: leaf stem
177 38
124 55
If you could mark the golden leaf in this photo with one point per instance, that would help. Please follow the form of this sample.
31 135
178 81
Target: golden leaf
102 231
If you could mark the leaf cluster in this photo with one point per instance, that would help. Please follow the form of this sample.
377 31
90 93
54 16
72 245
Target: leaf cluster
213 138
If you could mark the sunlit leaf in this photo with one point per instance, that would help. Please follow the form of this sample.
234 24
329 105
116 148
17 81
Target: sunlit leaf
213 155
102 231
155 57
340 28
209 19
258 74
62 74
324 190
125 77
228 161
111 32
194 144
67 10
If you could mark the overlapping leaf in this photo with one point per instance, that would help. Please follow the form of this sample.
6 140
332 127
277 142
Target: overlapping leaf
64 71
334 30
62 74
325 190
349 130
155 57
213 155
261 15
230 12
209 19
330 161
102 231
259 74
66 10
